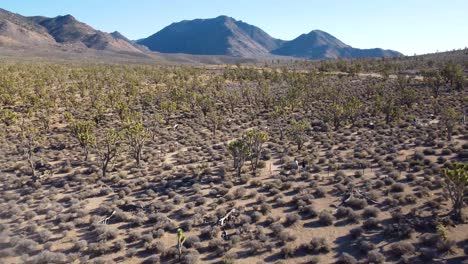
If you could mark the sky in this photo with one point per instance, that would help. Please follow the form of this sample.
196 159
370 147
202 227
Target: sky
408 26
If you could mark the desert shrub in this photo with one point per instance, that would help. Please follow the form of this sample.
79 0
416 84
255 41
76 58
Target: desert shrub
287 251
253 218
342 212
105 232
131 252
190 257
99 248
134 236
209 233
356 203
356 232
255 247
397 187
25 246
271 220
265 208
365 246
353 217
378 184
44 236
410 177
245 219
119 245
319 193
191 241
80 245
276 228
291 219
402 248
346 258
446 152
371 223
284 236
187 225
46 257
375 257
156 246
326 218
370 212
317 245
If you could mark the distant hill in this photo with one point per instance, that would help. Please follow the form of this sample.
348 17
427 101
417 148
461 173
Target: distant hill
321 45
61 31
226 36
220 39
217 36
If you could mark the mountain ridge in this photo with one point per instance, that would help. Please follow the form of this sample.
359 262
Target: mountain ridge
225 35
219 36
58 32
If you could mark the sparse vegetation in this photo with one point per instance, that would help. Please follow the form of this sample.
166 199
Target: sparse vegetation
251 163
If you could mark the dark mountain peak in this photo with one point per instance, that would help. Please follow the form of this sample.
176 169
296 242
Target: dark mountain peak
319 44
222 18
118 35
222 35
66 19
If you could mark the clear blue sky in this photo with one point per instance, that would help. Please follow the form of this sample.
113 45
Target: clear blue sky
409 26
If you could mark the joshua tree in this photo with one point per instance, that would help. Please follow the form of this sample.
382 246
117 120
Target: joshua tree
453 74
180 241
167 109
108 147
434 80
456 181
386 102
278 115
136 135
206 104
353 108
298 131
255 140
239 150
450 117
30 139
82 131
215 120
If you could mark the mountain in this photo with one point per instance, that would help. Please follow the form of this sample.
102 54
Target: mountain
58 32
226 36
321 45
222 39
217 36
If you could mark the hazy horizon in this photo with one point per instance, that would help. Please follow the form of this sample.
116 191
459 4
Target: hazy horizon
410 27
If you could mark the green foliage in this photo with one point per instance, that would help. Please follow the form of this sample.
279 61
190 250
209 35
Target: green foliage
136 135
255 140
456 181
8 117
353 109
297 132
83 132
30 138
206 104
386 102
108 145
167 109
239 149
449 119
453 74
